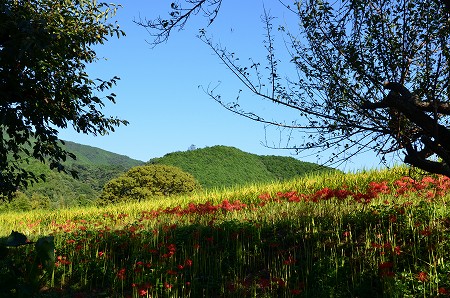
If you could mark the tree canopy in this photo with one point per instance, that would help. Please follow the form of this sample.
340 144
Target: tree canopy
143 182
366 75
45 46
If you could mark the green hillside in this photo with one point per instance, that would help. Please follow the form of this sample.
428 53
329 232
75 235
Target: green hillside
95 167
222 166
96 156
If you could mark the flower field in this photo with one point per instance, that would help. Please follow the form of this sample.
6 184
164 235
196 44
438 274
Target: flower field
373 234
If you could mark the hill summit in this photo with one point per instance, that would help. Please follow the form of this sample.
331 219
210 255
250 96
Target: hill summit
223 166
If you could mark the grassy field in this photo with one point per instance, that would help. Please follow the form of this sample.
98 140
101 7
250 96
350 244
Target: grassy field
371 234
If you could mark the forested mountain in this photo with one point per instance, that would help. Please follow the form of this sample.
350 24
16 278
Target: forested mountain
94 166
222 166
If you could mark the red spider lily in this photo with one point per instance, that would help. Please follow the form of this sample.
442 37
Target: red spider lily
426 232
142 292
122 215
101 254
422 276
385 269
443 292
279 281
62 260
289 261
172 272
264 197
264 283
167 285
188 263
121 273
385 265
376 245
296 291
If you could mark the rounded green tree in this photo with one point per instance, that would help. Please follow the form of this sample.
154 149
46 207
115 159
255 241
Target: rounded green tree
148 181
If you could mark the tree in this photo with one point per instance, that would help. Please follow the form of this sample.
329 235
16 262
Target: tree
45 46
368 75
143 182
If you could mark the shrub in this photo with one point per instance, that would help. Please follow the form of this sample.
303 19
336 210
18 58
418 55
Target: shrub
142 182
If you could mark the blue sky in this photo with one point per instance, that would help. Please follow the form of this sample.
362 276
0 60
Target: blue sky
159 90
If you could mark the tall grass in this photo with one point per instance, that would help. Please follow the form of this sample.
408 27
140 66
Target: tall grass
370 234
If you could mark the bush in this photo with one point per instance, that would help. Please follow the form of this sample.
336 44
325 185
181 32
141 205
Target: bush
142 182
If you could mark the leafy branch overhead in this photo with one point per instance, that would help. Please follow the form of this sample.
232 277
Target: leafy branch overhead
359 75
45 47
161 27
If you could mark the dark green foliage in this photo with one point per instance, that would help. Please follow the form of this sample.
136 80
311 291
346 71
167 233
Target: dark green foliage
147 181
45 46
95 167
222 166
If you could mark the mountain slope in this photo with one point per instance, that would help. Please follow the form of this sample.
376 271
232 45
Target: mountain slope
222 166
95 167
96 156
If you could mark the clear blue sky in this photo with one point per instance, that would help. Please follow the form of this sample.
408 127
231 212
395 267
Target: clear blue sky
159 90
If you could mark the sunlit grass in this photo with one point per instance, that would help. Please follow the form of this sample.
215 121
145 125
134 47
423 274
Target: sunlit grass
371 234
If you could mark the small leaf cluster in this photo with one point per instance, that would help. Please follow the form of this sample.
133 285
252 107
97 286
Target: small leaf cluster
146 181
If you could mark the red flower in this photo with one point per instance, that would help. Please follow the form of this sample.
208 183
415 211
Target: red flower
264 283
121 274
385 265
289 261
167 285
443 291
142 292
422 276
296 291
188 263
426 232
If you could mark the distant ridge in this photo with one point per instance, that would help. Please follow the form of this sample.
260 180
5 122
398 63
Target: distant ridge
223 166
91 155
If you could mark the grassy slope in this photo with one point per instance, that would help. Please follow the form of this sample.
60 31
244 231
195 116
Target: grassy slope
222 166
394 246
